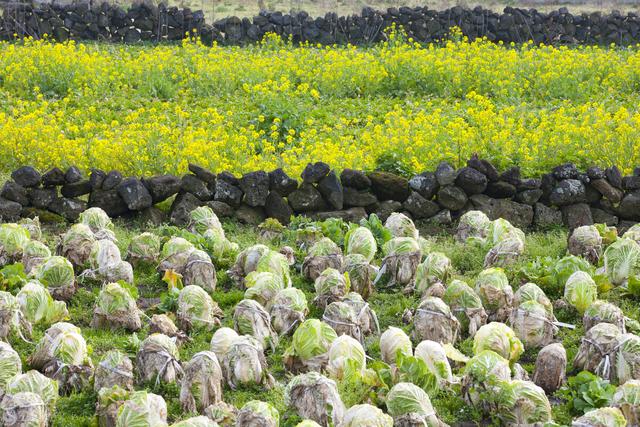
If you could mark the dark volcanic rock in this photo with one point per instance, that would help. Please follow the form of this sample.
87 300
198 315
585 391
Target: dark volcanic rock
246 214
529 184
425 184
518 214
419 207
614 176
565 171
577 215
511 175
135 194
112 180
255 186
277 207
109 201
9 210
96 179
348 215
282 183
387 186
595 172
601 216
53 177
355 179
76 189
452 198
70 209
568 192
152 216
162 187
545 217
72 175
631 183
227 193
471 181
221 209
314 172
203 174
629 207
194 185
307 198
607 190
26 176
500 190
529 197
331 189
445 174
14 192
228 177
384 209
41 198
355 198
182 206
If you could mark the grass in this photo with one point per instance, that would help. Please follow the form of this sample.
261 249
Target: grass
78 409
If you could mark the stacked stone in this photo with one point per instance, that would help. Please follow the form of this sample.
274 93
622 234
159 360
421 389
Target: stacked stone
563 196
146 22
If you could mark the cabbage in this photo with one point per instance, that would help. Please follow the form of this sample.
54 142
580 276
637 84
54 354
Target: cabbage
392 341
484 375
144 248
276 263
262 286
627 399
13 239
32 225
401 226
586 242
142 409
605 417
158 359
331 286
603 312
434 321
580 291
10 365
247 261
76 244
495 293
498 338
361 274
311 342
35 382
345 353
200 421
56 273
627 358
222 249
501 230
114 370
222 413
435 268
23 409
200 271
244 363
533 324
324 247
34 254
257 413
408 401
201 384
366 415
287 309
621 260
12 322
38 306
202 219
97 220
116 308
524 403
504 253
196 309
400 246
222 340
473 225
532 292
568 265
174 254
307 423
360 240
250 318
316 397
632 233
435 356
62 344
465 305
596 349
104 254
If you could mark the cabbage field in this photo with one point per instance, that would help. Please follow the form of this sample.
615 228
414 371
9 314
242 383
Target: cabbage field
325 323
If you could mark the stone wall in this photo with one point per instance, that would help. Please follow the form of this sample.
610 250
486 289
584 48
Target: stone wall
563 196
160 23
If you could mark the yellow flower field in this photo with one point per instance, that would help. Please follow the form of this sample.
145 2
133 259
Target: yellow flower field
149 109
